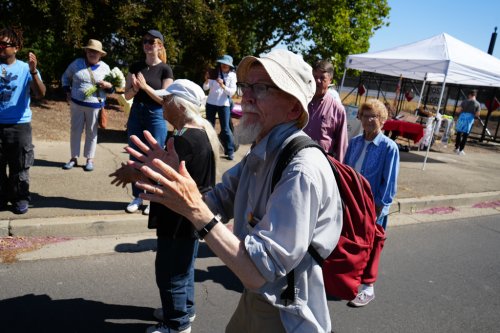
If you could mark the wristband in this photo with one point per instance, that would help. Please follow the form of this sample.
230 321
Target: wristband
34 73
206 229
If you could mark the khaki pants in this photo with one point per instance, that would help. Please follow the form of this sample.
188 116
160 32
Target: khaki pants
254 314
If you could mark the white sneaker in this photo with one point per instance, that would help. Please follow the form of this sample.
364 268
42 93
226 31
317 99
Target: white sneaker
457 151
361 299
158 314
134 205
461 153
146 210
162 328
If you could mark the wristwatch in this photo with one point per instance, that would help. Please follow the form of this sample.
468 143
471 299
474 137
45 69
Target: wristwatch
206 229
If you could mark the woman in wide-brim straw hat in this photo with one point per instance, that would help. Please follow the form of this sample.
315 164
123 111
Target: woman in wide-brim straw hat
95 45
222 86
144 77
81 75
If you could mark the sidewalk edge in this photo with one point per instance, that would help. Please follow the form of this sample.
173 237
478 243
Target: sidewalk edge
412 205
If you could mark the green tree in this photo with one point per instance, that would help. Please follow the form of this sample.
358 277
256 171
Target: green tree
318 29
56 30
196 31
342 27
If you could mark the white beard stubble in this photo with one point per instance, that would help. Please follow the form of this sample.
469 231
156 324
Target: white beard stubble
247 132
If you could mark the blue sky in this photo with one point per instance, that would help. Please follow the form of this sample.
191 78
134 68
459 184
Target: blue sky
469 21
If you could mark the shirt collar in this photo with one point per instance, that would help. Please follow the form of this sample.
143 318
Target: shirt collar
378 139
273 140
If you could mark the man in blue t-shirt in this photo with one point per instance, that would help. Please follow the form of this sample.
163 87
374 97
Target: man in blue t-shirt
17 79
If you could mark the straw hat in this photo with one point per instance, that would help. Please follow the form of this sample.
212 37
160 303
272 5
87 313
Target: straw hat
95 45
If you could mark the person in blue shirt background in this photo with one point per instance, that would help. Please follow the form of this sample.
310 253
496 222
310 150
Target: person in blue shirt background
376 157
17 80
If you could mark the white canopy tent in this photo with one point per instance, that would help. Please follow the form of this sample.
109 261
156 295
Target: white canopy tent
441 58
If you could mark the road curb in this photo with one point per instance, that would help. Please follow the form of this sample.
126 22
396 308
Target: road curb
4 228
79 226
413 205
121 224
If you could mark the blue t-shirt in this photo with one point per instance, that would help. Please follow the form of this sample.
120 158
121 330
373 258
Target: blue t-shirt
15 98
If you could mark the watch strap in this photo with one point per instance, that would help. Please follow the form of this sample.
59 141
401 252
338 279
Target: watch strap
206 229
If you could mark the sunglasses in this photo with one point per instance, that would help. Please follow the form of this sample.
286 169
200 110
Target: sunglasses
4 45
148 41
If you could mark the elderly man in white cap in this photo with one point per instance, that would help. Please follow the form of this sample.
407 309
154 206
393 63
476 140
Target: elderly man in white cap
272 228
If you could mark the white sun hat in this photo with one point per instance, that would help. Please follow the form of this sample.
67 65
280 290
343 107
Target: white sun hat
186 89
288 71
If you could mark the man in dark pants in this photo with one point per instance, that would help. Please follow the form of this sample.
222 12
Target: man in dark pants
469 110
17 79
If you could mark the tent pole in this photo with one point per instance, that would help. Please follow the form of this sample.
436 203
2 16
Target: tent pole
421 91
435 122
342 82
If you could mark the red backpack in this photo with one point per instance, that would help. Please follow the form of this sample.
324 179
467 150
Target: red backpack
361 239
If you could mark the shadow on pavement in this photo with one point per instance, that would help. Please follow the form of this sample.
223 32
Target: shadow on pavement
111 136
491 146
141 246
51 164
151 244
220 275
39 201
204 251
40 313
410 157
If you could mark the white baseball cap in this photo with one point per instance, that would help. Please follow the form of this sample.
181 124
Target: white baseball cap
186 89
288 71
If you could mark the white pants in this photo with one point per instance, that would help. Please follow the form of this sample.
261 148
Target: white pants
83 116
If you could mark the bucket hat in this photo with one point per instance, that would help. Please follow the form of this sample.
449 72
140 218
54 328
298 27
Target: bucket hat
94 44
226 59
156 34
186 89
288 71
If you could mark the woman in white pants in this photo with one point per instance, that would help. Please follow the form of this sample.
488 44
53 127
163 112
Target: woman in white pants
81 75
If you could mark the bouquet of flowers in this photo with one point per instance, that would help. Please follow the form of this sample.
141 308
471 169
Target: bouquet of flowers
115 77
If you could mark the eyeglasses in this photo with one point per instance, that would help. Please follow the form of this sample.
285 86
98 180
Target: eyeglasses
148 41
4 45
259 89
370 116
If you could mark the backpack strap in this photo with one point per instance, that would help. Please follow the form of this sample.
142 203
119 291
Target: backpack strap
286 156
288 153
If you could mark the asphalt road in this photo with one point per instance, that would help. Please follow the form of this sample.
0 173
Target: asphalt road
434 277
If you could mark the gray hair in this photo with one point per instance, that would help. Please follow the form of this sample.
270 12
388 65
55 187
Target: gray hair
192 114
325 66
